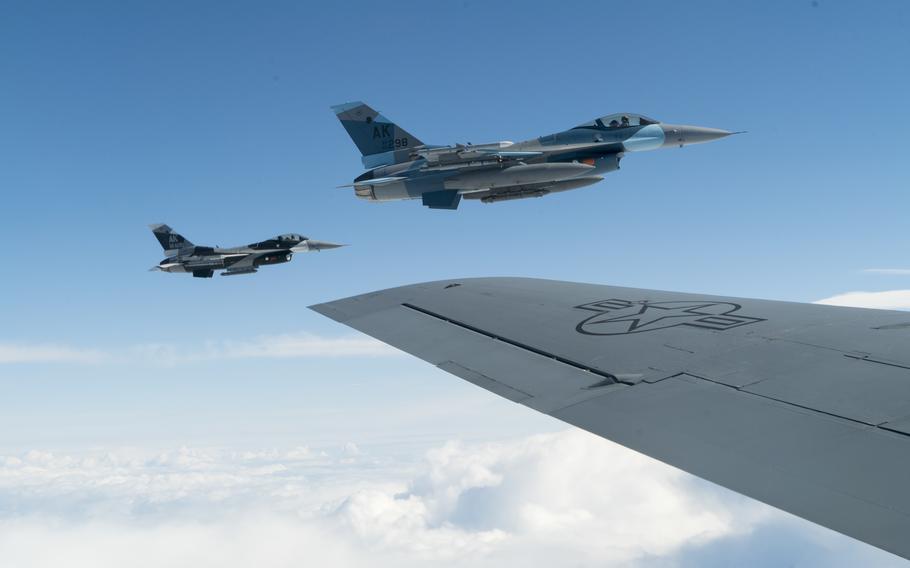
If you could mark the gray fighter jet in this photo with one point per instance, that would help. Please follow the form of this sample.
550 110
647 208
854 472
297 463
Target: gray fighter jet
802 406
202 262
401 166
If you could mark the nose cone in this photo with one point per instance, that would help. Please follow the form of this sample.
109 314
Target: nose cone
310 244
683 135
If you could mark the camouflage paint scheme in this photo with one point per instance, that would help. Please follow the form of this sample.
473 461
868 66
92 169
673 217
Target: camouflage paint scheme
203 261
401 166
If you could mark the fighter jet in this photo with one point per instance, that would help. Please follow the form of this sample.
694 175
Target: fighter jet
401 166
202 262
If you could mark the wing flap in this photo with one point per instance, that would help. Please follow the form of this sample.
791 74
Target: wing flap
484 381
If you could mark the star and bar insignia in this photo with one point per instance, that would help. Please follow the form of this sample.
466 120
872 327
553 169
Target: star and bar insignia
621 317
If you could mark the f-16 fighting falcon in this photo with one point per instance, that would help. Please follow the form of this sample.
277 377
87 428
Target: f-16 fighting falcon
202 262
401 166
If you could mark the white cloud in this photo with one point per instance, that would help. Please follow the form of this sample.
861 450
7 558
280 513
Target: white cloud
47 353
887 300
564 499
296 345
569 498
889 271
284 346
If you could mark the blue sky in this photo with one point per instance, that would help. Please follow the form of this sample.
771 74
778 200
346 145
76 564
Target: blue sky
214 118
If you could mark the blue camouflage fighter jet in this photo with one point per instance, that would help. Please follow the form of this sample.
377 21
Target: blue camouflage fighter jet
400 166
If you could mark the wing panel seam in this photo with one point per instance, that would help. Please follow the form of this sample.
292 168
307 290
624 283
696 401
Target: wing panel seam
880 426
873 359
607 376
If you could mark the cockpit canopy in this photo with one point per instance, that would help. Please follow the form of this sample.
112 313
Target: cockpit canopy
290 238
619 120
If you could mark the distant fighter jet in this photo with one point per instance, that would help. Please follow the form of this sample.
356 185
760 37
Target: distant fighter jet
202 262
400 166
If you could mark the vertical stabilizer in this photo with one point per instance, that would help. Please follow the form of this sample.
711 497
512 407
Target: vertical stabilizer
372 132
171 241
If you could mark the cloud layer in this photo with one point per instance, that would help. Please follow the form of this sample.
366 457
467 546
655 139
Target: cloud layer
569 498
47 353
887 300
889 271
284 346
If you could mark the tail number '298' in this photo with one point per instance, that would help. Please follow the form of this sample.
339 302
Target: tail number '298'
395 144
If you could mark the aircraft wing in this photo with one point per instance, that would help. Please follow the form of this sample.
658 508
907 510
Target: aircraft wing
804 407
461 154
247 264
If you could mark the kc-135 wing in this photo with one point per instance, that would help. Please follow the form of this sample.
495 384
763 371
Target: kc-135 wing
802 406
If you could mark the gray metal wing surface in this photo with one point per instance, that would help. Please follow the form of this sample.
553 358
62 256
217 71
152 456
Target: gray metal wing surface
801 406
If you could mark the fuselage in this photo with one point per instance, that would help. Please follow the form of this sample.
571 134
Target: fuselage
221 259
505 170
203 261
